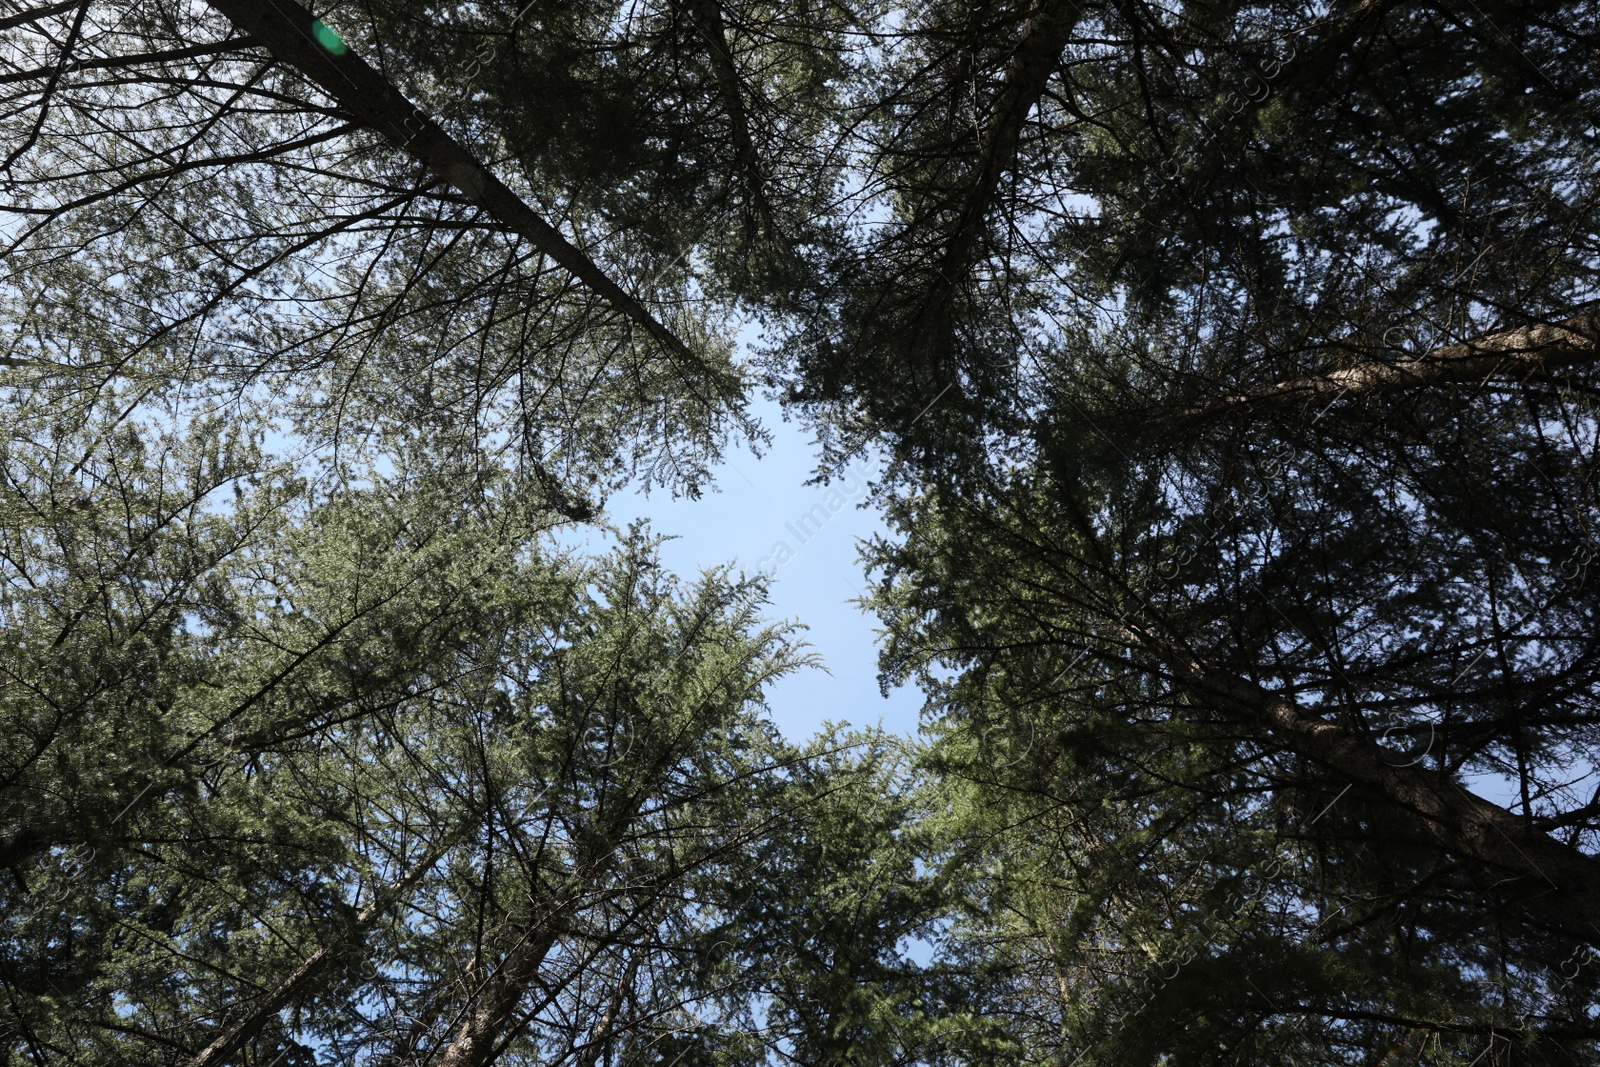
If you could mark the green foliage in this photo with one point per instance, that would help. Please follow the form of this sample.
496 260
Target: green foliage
1235 366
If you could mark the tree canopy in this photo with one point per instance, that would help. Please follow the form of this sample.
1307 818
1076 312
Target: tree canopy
1234 366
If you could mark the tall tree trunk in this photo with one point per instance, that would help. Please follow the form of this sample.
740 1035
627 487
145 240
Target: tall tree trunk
476 1043
1563 883
286 30
708 22
1505 353
1038 54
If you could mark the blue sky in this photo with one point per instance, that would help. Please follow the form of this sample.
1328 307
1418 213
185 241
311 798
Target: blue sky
760 514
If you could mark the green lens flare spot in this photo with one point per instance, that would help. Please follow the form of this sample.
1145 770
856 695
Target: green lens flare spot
329 40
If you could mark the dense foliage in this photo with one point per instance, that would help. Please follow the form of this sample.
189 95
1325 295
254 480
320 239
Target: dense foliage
1235 368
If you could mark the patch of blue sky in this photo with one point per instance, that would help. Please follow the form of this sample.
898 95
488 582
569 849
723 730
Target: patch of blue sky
761 515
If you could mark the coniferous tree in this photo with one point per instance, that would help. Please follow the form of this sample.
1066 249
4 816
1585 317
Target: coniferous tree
1236 368
1237 363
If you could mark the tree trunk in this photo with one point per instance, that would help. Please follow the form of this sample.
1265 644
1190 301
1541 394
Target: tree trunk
475 1044
286 30
230 1041
1564 883
1524 351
